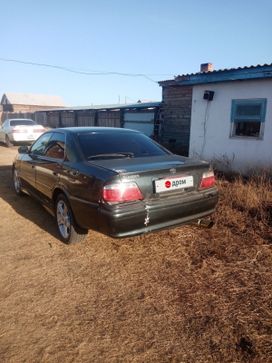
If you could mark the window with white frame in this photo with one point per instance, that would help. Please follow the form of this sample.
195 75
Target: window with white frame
247 118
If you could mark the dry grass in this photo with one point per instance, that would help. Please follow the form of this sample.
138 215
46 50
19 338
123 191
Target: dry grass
246 205
234 260
186 295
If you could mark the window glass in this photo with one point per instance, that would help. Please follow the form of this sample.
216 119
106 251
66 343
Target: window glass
39 146
114 145
22 123
71 150
56 146
247 128
248 117
248 110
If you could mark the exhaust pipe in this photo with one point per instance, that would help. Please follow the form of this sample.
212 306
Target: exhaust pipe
204 223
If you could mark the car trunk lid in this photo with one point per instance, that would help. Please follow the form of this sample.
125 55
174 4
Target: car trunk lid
159 176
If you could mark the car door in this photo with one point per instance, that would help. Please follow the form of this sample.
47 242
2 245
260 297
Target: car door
49 167
28 163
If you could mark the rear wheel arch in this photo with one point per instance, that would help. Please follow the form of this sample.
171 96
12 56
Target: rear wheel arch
56 192
55 195
79 231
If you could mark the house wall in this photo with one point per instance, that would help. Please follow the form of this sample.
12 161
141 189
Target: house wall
176 117
211 126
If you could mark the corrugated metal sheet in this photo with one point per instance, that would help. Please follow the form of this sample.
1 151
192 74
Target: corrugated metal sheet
140 121
67 119
109 107
221 75
256 67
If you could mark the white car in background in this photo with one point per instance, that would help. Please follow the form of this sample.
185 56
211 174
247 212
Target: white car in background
20 130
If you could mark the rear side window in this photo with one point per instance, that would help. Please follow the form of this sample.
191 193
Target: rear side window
22 123
132 144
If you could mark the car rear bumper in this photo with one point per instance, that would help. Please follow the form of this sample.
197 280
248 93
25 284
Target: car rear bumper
23 137
133 219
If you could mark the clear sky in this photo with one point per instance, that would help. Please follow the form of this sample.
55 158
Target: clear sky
158 38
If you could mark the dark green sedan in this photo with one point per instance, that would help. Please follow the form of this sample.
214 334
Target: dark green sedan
116 181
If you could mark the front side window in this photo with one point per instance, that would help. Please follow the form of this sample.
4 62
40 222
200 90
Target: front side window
56 146
247 118
39 146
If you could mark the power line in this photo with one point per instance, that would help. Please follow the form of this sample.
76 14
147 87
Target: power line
86 73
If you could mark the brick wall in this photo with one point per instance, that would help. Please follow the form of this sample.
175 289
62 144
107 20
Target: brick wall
176 118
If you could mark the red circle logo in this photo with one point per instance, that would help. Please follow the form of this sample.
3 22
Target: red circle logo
167 184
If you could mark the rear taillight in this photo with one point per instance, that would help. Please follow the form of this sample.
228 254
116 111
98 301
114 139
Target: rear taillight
208 180
14 129
39 130
121 192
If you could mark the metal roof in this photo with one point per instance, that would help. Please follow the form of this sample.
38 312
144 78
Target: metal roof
32 99
111 107
222 75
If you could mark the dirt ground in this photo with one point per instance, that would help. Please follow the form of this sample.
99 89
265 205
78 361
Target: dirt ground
182 295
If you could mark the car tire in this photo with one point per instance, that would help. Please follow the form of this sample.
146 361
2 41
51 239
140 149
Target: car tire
68 230
7 141
17 185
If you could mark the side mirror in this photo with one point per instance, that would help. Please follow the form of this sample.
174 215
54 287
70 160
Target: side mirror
23 149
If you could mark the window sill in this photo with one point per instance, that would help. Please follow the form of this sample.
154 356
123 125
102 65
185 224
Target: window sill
259 138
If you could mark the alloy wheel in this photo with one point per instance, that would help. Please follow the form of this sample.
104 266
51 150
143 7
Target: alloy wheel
63 219
16 182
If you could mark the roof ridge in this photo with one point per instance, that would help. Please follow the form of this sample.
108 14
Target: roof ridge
226 70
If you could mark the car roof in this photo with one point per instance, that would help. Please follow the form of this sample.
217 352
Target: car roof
82 130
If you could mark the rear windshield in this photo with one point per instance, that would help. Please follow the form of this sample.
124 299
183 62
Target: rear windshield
116 145
22 122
